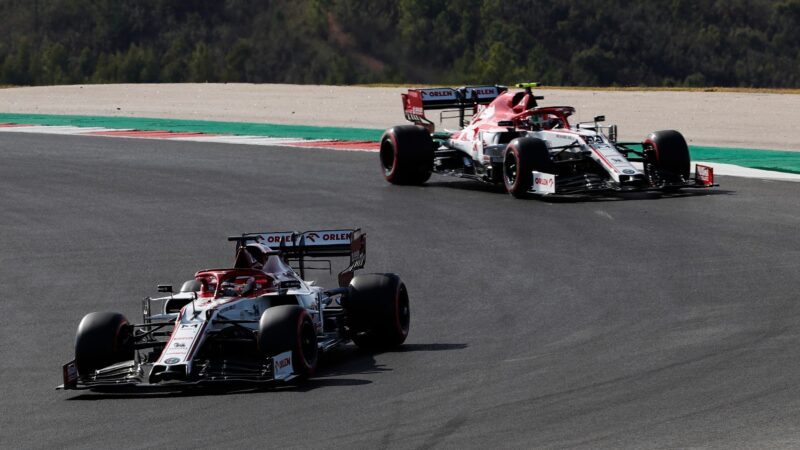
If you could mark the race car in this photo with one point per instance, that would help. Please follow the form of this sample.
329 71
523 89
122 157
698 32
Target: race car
257 322
530 149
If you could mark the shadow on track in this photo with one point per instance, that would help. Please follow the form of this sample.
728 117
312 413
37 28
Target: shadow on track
470 185
346 361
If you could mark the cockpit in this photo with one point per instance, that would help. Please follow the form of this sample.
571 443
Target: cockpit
232 283
547 118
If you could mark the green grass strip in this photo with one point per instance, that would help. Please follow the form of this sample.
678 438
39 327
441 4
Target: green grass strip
781 161
198 126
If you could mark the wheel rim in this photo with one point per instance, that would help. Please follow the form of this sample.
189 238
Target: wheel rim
510 168
308 343
387 156
403 312
123 338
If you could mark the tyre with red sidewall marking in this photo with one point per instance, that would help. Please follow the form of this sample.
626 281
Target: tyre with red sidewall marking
289 328
378 311
521 158
406 155
670 156
103 339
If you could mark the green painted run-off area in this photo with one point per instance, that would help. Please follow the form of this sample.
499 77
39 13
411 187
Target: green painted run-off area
782 161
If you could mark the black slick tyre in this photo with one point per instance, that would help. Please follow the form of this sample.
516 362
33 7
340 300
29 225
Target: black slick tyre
103 339
406 155
378 311
289 328
670 155
521 158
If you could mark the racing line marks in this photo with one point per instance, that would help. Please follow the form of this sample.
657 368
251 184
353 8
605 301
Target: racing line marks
602 213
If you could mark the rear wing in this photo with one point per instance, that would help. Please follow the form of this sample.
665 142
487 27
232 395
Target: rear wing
417 101
299 245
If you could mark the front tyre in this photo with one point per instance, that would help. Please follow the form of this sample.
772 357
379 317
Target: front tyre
103 339
521 158
289 328
667 156
406 155
378 311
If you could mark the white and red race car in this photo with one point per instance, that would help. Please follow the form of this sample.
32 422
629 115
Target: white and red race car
511 140
259 321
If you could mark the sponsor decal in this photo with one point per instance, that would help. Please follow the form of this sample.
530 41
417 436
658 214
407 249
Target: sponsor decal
290 284
278 238
438 94
336 237
629 171
481 92
332 237
180 343
282 365
544 183
70 374
704 174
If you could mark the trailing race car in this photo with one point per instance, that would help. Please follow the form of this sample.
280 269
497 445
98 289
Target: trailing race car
511 140
259 321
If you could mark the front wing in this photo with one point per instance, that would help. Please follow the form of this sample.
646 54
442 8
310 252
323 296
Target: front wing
549 184
130 375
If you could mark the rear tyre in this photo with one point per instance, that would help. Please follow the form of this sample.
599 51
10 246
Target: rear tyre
669 156
521 158
289 328
103 339
406 155
378 311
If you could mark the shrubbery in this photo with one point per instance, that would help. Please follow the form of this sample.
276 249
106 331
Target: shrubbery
591 42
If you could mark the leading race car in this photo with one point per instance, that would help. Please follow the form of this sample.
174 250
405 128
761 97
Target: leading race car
257 322
530 149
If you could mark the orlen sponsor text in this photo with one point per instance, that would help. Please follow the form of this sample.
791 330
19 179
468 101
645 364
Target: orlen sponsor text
277 239
485 91
438 93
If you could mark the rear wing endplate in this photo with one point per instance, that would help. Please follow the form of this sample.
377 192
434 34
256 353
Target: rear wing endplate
417 101
299 245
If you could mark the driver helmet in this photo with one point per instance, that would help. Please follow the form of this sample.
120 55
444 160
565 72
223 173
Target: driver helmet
536 121
229 289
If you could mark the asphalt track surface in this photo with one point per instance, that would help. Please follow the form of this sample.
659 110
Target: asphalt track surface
644 322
